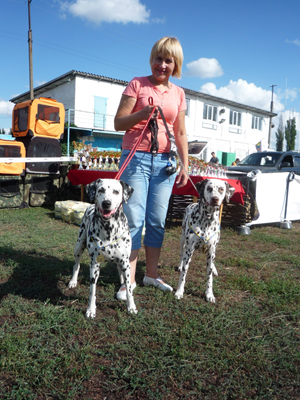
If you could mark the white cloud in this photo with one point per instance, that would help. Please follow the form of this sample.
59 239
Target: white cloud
6 107
287 94
245 93
248 93
204 68
296 42
98 11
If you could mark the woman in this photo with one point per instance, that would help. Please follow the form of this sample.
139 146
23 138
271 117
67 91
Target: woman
146 172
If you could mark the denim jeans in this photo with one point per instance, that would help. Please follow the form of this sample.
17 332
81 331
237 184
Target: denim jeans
149 202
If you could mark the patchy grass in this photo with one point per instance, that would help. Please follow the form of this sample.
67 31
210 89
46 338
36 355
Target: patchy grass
246 346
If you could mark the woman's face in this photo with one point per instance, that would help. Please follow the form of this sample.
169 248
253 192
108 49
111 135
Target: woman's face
162 67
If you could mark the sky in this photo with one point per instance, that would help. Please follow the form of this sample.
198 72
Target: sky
234 49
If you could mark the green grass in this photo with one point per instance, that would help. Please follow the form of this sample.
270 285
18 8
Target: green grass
246 346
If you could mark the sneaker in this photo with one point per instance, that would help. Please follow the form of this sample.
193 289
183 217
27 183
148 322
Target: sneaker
158 282
121 295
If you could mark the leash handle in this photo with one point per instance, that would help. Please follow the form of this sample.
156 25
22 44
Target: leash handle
133 150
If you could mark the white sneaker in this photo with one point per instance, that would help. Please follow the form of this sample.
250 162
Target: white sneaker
158 282
121 295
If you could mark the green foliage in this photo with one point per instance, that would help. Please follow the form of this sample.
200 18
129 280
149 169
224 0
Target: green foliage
2 131
64 148
64 140
290 134
280 135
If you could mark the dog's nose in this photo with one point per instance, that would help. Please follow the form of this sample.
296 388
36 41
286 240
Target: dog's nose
106 204
215 201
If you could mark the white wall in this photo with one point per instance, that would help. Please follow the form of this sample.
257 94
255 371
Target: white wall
64 93
223 136
87 89
80 92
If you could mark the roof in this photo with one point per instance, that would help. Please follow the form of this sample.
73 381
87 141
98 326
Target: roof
39 90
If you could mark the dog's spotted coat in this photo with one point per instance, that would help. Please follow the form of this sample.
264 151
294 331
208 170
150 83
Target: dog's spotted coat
201 227
104 231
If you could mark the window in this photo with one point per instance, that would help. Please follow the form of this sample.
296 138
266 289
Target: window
297 161
256 122
235 118
187 111
20 119
210 112
48 113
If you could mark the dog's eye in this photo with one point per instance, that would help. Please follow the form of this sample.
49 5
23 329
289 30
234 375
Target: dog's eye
221 190
101 190
116 191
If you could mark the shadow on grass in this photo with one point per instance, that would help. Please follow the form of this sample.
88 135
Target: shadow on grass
33 276
46 278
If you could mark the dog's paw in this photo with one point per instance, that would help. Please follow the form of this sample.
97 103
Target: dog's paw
178 295
72 284
90 313
132 310
210 297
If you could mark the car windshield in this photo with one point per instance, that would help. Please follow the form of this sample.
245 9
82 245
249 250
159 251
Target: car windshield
195 148
263 159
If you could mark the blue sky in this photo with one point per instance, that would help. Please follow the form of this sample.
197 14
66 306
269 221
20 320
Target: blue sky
233 49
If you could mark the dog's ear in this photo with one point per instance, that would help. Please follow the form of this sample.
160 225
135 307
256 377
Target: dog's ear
127 191
91 190
229 192
200 186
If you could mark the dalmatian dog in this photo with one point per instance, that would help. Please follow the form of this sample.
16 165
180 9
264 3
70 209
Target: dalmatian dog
104 231
201 226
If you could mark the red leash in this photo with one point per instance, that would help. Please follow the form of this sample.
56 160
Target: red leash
133 150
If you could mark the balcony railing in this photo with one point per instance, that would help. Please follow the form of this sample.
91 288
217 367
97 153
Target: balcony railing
89 122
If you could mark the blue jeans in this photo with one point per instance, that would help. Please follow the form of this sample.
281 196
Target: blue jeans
149 202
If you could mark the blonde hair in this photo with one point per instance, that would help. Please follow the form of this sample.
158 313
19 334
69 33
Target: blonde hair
170 47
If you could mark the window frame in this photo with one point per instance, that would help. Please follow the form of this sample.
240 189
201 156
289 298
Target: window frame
235 118
188 104
210 112
256 122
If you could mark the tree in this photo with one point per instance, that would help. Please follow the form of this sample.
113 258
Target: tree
290 134
2 131
279 135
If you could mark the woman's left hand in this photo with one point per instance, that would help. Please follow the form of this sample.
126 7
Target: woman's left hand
181 179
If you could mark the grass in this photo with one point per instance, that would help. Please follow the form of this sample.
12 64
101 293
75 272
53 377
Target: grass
246 346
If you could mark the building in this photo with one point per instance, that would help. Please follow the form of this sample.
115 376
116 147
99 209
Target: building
91 101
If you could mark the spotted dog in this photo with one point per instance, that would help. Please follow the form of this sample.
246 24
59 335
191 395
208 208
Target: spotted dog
104 231
201 226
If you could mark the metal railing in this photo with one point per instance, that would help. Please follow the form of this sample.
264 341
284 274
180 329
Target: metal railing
87 121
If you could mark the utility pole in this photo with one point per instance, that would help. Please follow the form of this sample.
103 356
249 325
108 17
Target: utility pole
270 125
30 53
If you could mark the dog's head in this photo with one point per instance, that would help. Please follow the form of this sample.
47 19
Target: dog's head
214 191
108 195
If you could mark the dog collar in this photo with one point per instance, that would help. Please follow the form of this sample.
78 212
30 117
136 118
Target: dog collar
206 240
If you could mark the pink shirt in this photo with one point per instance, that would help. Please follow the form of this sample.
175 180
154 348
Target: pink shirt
171 102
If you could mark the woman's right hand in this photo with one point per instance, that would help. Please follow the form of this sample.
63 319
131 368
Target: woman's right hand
124 118
146 112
